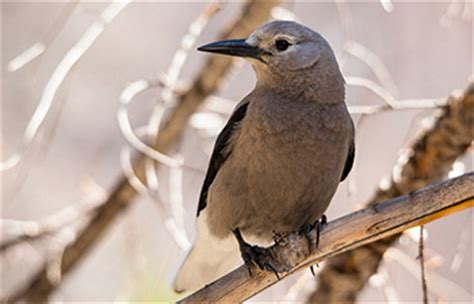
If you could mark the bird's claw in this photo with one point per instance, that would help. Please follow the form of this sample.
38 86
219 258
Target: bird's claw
254 255
319 227
306 231
278 237
270 267
307 228
311 268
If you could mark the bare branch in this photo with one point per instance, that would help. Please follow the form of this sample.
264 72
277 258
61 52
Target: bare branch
57 78
391 295
406 104
24 231
387 5
421 257
38 48
372 86
454 9
346 20
167 94
441 286
351 231
461 248
364 54
225 106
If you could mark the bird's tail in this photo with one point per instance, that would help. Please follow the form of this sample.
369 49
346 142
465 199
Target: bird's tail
209 259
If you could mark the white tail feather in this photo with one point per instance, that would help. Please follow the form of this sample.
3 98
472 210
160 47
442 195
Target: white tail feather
209 259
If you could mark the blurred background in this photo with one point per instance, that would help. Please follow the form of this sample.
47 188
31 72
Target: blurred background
62 145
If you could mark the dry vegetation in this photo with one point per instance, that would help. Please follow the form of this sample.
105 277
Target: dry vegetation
353 248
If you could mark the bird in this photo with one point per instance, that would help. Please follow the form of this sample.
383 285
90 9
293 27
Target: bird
278 161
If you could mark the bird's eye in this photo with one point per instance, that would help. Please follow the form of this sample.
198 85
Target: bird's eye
282 44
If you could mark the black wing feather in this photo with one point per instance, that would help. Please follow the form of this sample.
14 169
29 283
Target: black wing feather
220 153
349 161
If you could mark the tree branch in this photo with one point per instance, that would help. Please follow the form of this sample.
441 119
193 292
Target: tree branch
428 160
207 82
351 231
27 231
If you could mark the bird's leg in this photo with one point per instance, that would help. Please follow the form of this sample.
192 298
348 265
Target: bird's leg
249 253
306 229
253 254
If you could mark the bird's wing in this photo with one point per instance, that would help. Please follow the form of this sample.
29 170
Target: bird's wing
349 160
221 152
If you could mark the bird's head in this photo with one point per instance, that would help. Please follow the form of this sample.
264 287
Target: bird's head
284 52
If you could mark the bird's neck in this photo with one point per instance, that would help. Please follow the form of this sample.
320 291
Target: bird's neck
310 86
306 89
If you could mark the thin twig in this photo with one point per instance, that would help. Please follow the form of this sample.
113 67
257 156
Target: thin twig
364 54
25 231
462 246
173 214
40 47
387 5
454 8
57 78
225 106
345 19
391 295
440 285
127 130
372 86
406 104
421 257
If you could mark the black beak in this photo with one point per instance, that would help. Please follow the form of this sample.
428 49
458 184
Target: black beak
234 47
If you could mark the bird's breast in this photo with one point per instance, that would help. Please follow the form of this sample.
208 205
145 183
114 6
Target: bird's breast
295 123
284 167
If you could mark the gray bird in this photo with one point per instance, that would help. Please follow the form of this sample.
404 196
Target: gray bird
278 161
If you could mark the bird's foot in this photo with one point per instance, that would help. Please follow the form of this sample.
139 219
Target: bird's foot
306 231
254 255
307 228
280 238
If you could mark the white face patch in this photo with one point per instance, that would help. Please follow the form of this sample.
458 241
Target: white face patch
252 40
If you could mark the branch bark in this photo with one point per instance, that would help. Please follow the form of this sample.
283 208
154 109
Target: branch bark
351 231
207 82
430 159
